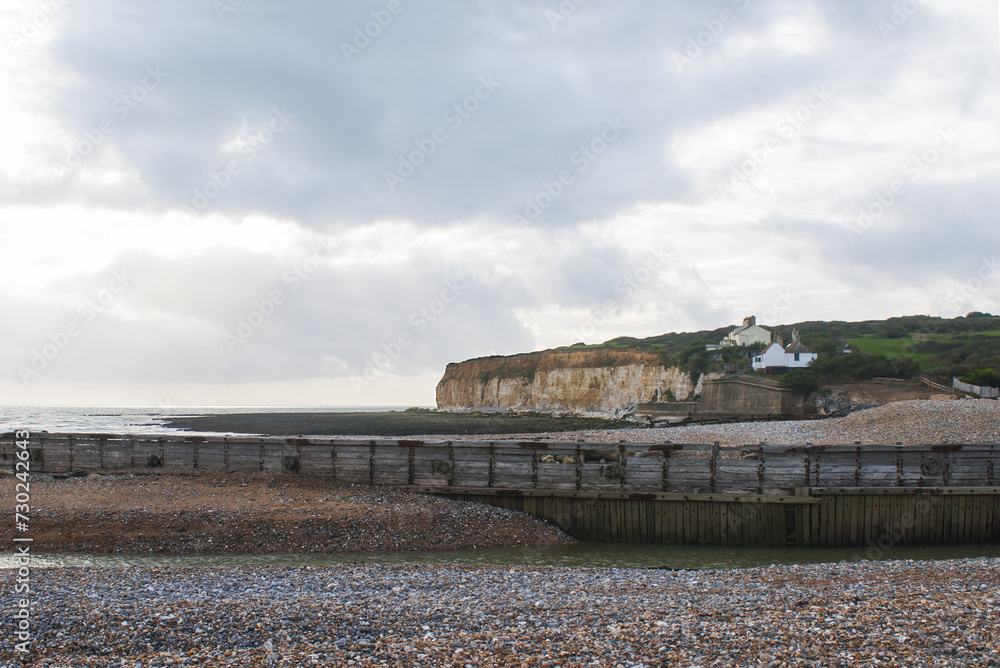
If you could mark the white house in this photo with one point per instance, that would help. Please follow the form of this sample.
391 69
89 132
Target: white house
773 357
747 334
777 359
796 354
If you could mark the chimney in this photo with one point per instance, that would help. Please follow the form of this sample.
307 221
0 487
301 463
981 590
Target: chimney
781 340
750 321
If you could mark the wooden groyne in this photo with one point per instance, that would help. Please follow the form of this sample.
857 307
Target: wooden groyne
764 495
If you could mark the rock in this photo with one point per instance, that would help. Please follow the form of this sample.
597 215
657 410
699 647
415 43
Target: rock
609 382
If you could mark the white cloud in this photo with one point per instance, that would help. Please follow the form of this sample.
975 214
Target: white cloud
358 265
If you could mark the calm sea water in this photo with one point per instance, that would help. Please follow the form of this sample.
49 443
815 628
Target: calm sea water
140 419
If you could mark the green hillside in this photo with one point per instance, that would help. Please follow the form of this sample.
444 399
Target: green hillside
910 344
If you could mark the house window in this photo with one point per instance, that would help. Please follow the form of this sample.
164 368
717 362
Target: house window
796 357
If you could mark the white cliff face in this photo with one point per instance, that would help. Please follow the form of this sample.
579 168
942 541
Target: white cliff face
588 381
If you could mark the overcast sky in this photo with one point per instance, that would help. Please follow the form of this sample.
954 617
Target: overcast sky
323 203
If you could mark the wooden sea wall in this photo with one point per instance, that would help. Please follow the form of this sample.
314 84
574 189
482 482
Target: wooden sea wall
876 518
766 495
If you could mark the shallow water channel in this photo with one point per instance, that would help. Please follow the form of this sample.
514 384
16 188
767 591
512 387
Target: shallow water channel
598 555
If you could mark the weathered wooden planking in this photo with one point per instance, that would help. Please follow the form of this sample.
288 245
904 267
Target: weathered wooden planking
536 465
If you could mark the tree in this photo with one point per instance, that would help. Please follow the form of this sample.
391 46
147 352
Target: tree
894 332
801 381
821 343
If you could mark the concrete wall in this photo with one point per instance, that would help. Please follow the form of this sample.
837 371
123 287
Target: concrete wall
749 397
667 409
985 392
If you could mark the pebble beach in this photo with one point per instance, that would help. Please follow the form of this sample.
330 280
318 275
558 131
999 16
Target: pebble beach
186 512
917 422
897 613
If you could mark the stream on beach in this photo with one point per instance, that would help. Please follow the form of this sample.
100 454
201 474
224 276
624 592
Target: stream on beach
578 555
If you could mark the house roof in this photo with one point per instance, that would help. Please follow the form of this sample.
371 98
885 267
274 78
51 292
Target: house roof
796 345
744 327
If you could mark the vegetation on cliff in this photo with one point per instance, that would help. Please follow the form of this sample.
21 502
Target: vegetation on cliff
507 370
912 344
586 377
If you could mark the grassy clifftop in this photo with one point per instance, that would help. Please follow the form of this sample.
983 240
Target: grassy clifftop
939 346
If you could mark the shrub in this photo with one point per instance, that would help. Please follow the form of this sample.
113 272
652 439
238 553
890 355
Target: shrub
821 344
503 371
802 381
982 378
904 367
862 366
894 332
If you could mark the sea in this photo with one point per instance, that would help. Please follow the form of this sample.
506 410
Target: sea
140 419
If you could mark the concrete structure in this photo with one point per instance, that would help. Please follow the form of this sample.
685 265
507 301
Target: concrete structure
978 390
747 334
749 397
666 410
745 397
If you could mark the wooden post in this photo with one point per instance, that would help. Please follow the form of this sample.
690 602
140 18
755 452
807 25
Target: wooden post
713 466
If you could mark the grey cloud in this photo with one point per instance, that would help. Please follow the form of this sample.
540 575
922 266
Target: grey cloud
353 120
552 88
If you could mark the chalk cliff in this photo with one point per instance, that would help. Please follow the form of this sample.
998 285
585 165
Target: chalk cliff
586 381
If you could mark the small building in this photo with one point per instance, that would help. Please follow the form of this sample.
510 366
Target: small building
772 357
797 356
747 334
776 359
